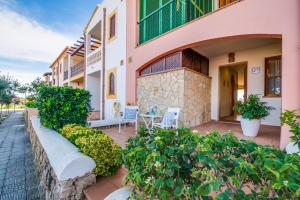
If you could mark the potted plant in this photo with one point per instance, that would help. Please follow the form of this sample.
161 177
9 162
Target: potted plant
292 119
252 111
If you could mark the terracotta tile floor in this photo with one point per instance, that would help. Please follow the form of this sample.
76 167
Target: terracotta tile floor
267 135
105 185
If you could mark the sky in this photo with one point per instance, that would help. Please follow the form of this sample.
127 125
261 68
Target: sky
34 32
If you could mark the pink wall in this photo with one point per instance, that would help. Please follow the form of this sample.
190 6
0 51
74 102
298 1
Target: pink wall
247 18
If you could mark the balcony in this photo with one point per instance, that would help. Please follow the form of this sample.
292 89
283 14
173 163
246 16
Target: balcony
66 75
94 61
94 57
77 68
169 16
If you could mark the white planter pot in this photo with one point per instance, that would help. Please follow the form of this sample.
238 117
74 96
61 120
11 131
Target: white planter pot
292 148
250 127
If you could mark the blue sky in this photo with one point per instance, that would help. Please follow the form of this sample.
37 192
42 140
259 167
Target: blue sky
33 33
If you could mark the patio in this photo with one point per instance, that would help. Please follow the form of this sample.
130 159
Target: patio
105 185
267 134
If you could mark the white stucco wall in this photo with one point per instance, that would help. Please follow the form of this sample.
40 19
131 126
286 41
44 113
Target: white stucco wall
115 53
93 84
255 82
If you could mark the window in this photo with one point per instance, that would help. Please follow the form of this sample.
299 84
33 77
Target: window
111 84
112 26
273 76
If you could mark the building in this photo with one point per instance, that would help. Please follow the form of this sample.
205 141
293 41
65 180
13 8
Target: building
106 64
68 68
200 55
47 78
205 55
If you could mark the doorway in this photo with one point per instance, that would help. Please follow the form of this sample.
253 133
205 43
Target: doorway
233 88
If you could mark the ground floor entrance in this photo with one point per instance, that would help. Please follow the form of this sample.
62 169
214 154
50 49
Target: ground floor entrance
233 88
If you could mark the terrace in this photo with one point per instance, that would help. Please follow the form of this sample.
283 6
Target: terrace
269 135
105 185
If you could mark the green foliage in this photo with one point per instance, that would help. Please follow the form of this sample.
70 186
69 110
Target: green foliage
73 131
292 119
97 145
253 108
31 104
59 106
182 165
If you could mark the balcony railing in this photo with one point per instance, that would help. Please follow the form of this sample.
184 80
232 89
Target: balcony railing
66 75
77 68
171 15
94 57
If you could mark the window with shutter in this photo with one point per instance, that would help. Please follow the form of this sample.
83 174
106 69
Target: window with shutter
273 76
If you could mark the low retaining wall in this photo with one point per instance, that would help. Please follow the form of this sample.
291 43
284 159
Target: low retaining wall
64 171
30 112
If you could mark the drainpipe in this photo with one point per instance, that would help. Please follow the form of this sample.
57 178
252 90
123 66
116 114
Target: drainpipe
103 63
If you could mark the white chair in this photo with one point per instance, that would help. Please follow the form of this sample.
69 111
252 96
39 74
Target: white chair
170 119
130 115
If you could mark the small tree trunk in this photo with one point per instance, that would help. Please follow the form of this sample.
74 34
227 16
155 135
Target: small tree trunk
0 112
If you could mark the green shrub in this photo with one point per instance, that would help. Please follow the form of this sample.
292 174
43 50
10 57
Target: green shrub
292 119
97 145
31 104
106 154
253 108
59 106
73 131
183 165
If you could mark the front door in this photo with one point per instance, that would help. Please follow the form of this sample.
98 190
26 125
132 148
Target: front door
233 84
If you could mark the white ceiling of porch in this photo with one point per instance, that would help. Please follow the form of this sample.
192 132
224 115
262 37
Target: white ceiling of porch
233 45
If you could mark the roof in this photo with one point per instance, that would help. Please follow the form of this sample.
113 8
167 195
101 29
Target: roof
47 74
60 55
90 19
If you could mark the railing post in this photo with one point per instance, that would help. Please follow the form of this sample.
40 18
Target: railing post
160 18
171 16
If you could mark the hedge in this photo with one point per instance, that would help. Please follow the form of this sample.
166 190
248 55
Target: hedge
59 106
168 164
31 104
97 145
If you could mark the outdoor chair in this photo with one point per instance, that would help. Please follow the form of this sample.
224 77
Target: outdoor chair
170 119
130 115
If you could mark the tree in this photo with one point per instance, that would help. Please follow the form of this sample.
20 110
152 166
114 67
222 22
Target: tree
6 91
24 90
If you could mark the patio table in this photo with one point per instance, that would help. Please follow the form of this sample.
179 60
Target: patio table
149 119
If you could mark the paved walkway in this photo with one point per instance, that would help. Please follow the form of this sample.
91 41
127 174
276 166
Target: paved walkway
18 179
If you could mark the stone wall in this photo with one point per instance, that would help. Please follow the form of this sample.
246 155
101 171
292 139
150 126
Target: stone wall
55 189
181 88
197 98
29 112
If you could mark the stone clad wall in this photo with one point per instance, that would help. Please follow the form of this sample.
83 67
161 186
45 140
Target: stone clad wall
163 89
197 98
181 88
55 189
